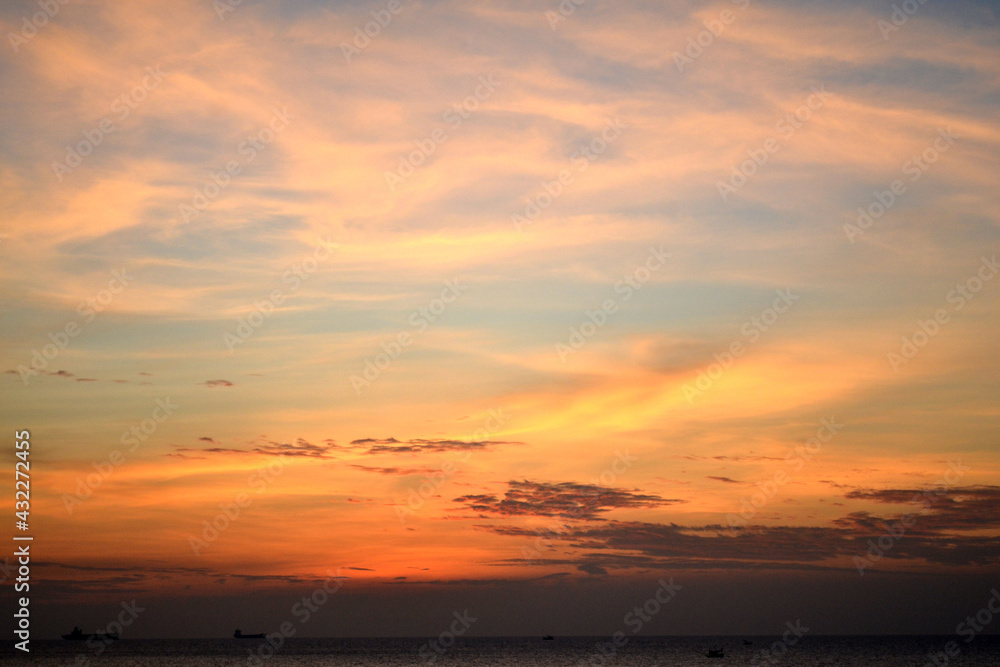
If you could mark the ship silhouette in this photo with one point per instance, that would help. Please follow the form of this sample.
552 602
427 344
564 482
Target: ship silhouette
80 635
239 635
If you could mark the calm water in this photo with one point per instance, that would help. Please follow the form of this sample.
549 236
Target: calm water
514 652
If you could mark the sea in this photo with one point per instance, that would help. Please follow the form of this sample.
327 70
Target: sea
810 651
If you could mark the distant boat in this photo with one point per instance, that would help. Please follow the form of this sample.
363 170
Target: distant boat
79 635
715 653
239 635
548 638
747 642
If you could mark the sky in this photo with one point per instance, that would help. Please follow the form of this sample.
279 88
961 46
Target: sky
521 308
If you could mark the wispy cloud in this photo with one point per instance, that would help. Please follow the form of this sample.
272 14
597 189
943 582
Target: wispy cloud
568 500
420 446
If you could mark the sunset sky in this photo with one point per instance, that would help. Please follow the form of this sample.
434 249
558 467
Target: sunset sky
505 307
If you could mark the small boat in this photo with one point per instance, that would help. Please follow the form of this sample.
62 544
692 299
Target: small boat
239 635
79 635
747 642
715 653
547 638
